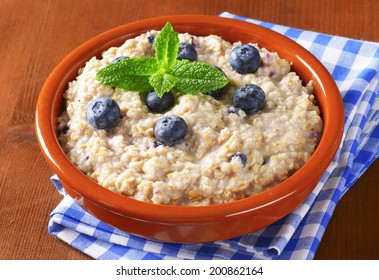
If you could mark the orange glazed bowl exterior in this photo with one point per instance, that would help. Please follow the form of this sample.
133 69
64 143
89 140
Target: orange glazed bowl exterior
191 223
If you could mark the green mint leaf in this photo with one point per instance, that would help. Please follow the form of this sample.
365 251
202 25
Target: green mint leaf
130 74
166 47
194 77
163 72
162 83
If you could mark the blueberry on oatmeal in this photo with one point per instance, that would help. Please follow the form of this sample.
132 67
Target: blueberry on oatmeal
119 58
187 51
103 113
158 104
242 158
170 130
245 59
250 98
151 39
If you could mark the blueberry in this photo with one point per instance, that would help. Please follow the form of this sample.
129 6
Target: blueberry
245 59
151 39
170 130
242 157
250 98
218 92
103 113
117 59
187 51
156 144
158 104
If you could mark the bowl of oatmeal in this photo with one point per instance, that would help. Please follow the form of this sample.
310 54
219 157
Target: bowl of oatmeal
191 166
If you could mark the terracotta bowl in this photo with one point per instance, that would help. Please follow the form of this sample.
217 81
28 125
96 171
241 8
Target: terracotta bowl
188 223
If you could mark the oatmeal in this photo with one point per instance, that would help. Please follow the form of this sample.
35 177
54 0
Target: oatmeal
226 153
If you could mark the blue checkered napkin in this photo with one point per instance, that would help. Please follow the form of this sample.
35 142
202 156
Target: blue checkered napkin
354 65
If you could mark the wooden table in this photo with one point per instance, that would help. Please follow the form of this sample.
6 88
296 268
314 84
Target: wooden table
36 35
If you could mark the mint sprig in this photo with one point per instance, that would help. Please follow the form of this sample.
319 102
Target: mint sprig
164 71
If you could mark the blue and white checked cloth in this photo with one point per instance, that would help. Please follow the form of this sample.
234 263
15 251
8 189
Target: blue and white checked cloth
354 65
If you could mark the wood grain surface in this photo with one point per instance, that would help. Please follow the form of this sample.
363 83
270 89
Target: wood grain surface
35 35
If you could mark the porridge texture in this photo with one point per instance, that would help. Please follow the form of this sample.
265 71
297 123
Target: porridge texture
226 154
